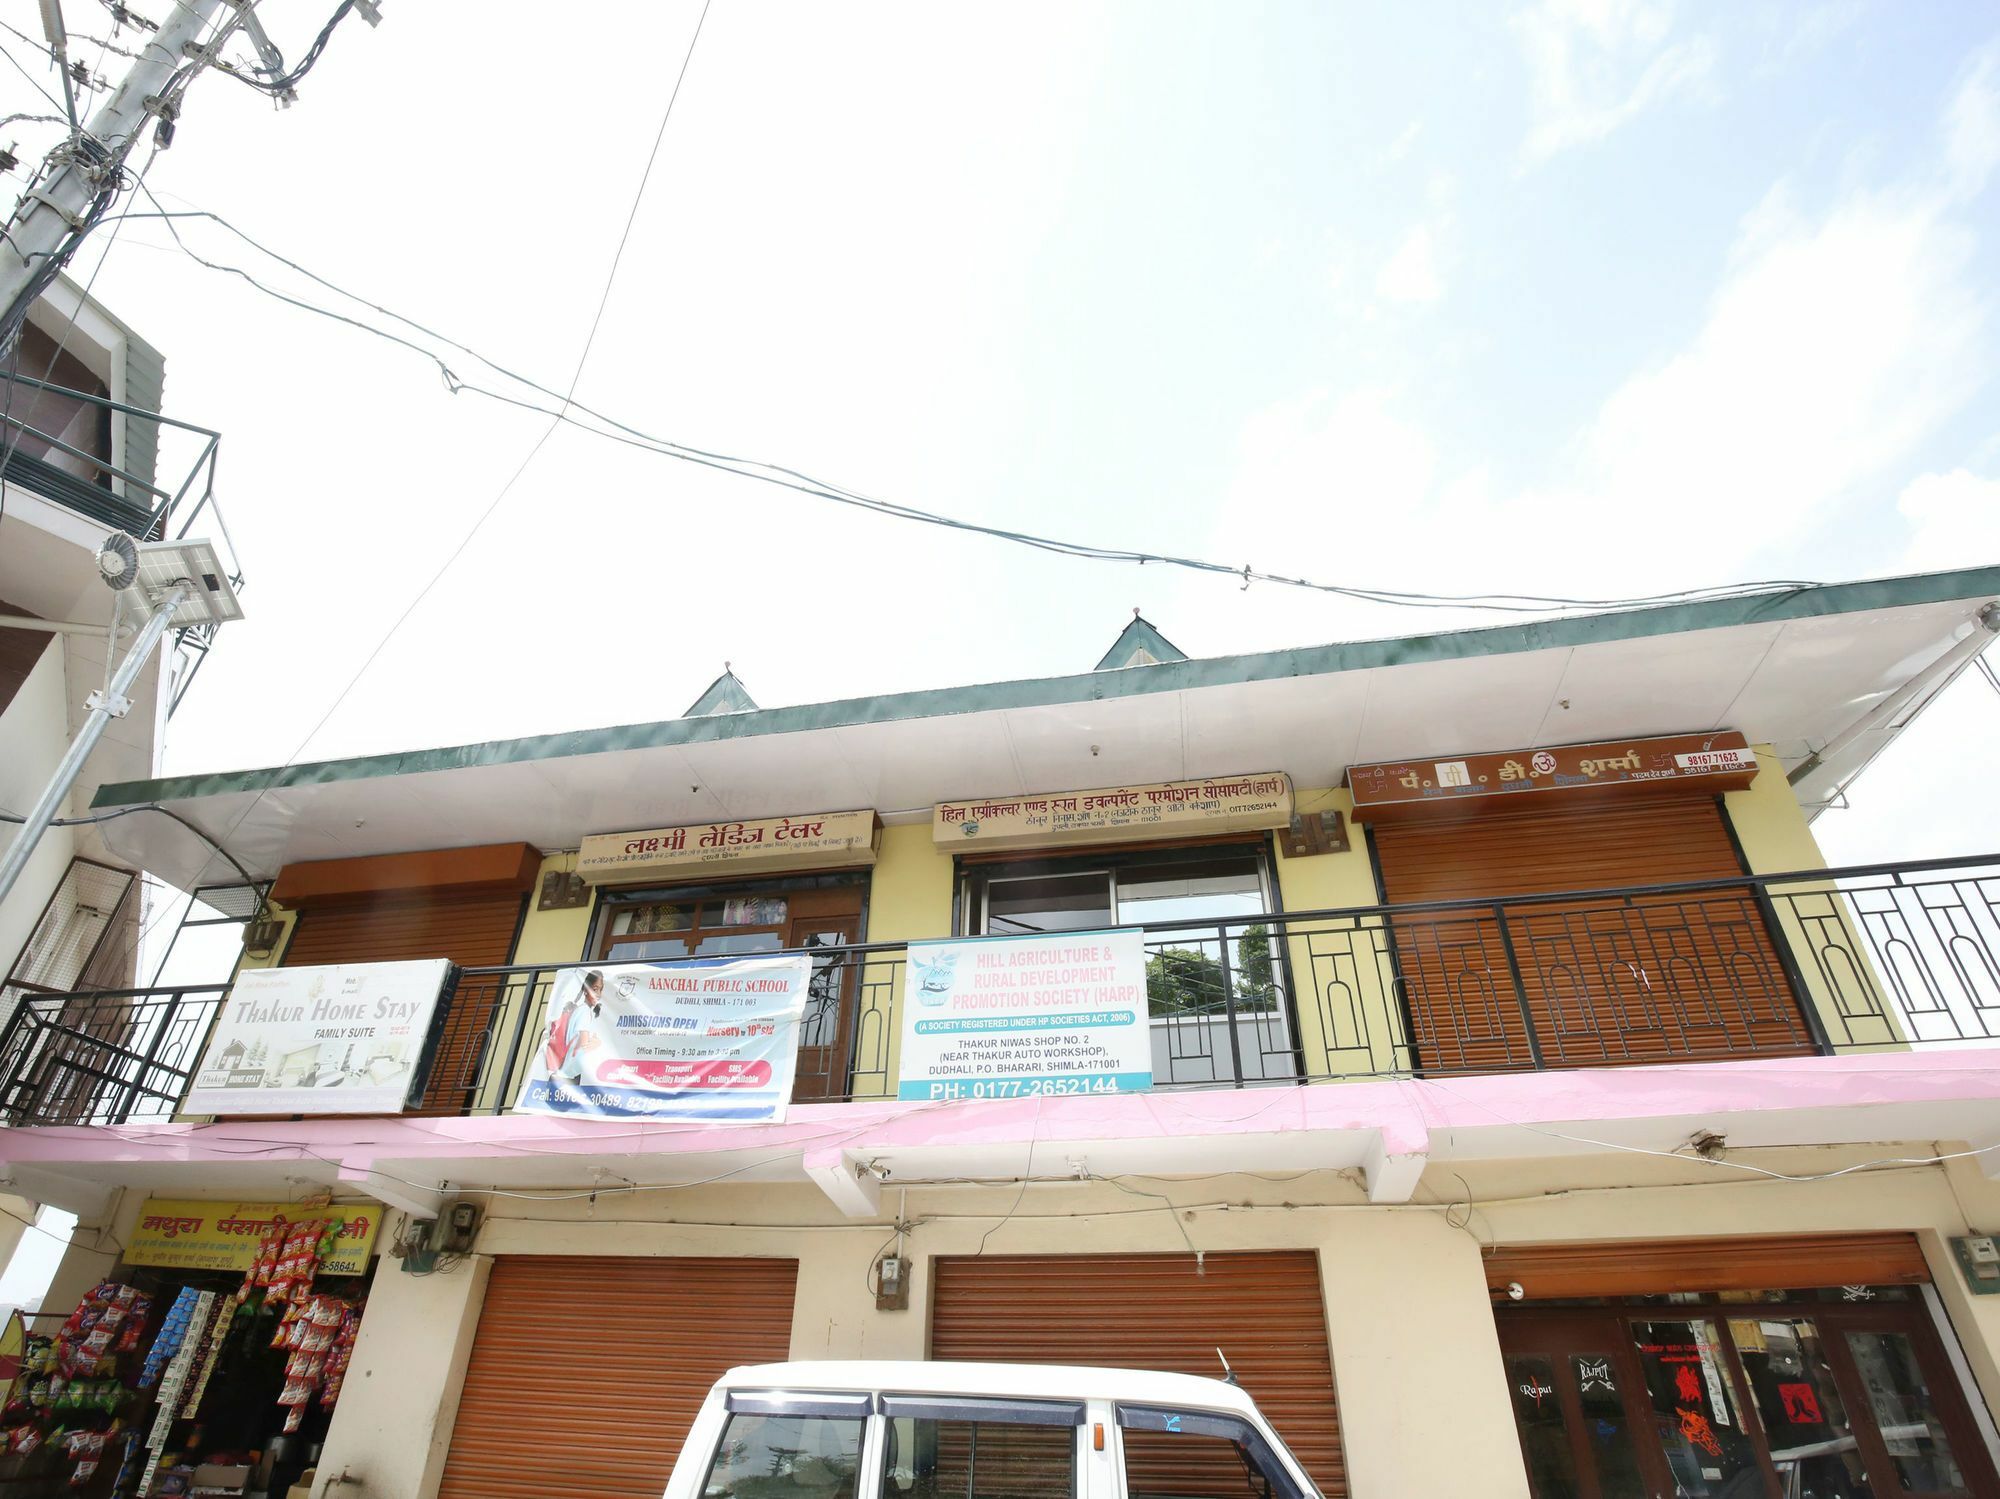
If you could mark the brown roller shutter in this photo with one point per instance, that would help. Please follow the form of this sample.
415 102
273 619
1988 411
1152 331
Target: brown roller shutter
474 929
1692 977
1153 1311
556 1403
1662 1266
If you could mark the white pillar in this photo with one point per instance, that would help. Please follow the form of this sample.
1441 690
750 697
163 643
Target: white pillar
1416 1361
392 1427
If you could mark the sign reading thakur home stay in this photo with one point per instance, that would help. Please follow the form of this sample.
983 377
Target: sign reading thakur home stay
1165 809
340 1039
225 1235
821 840
1014 1017
1715 762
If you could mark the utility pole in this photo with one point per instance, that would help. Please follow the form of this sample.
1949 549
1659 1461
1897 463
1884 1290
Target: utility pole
47 223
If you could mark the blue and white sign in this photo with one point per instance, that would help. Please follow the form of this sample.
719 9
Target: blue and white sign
702 1038
1014 1017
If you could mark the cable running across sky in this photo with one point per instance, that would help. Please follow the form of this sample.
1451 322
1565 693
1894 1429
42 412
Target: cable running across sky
784 477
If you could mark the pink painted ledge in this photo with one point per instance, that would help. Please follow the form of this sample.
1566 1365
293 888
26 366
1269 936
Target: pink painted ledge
1403 1114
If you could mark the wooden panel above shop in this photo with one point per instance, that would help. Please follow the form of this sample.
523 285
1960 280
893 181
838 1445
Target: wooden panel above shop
490 869
1457 786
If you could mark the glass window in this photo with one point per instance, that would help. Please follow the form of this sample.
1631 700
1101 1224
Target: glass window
1214 993
1048 903
785 1457
925 1458
723 943
1903 1410
1173 1454
1538 1417
662 917
1696 1416
1791 1383
1607 1430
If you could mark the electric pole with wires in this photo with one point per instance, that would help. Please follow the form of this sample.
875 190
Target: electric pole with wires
86 173
83 177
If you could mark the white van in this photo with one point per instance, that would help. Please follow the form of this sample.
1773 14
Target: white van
885 1430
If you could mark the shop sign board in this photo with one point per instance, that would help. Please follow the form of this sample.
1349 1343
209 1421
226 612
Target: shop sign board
345 1038
224 1235
1714 762
1163 809
700 1038
820 840
1019 1017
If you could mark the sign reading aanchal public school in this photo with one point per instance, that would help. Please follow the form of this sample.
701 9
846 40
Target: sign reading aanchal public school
1713 762
819 840
225 1235
1165 809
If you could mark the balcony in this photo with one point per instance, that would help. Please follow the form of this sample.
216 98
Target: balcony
1874 958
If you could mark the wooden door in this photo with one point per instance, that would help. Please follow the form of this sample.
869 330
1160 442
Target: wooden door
821 919
1723 1400
1585 1429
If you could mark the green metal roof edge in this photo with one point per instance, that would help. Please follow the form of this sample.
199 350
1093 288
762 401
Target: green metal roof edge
1141 632
939 702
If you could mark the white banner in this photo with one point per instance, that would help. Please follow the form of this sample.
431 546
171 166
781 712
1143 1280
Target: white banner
1010 1017
343 1039
701 1038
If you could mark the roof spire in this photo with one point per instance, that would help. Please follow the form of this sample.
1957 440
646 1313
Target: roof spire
1139 644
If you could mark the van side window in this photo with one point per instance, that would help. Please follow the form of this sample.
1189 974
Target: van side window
944 1448
1181 1454
772 1456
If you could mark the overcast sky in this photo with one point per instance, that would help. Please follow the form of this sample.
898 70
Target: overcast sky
1571 297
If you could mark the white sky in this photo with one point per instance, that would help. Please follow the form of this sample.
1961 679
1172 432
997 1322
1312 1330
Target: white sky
1589 297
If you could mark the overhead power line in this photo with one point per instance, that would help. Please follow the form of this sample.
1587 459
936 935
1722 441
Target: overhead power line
557 417
615 430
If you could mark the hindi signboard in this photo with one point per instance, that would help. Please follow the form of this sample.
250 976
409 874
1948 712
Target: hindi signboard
341 1039
224 1235
700 1038
1403 788
822 840
1014 1017
1164 809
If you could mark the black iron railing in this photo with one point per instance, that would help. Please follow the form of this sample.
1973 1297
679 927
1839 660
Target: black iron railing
1856 959
103 1058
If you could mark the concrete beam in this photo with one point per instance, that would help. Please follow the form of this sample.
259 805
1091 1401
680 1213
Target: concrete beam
418 1202
848 1184
1392 1178
87 1199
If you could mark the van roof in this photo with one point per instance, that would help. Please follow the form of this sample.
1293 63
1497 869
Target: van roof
1019 1381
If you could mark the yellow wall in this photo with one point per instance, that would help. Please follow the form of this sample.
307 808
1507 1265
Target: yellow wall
1814 921
1770 823
1348 1020
909 900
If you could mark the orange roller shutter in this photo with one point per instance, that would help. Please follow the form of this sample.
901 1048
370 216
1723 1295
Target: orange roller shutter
586 1372
1145 1311
1692 976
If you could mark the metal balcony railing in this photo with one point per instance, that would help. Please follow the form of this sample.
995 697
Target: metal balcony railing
1881 957
121 499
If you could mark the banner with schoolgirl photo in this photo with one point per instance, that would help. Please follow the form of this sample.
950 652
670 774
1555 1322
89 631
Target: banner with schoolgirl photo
700 1038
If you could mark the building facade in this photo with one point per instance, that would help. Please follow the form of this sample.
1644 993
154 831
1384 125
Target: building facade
1505 1088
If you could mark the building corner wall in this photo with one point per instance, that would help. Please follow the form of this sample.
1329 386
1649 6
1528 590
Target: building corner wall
391 1430
1425 1324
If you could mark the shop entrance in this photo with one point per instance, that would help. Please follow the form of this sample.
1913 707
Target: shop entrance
1842 1393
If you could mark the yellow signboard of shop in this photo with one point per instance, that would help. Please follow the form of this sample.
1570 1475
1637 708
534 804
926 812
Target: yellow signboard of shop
225 1235
1165 809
